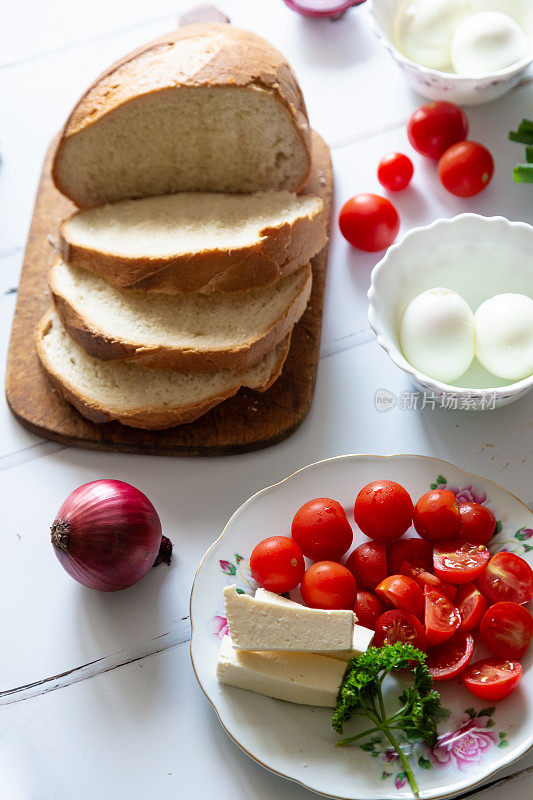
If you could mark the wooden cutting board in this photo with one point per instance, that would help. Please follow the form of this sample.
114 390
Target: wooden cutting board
247 421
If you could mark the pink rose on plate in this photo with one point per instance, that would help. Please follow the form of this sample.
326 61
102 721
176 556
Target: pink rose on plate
400 780
465 495
465 746
219 626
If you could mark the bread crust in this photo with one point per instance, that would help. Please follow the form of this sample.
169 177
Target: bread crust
147 418
239 358
210 55
278 251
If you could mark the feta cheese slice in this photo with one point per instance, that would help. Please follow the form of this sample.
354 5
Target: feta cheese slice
261 624
303 678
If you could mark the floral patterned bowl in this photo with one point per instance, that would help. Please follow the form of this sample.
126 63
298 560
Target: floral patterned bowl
297 742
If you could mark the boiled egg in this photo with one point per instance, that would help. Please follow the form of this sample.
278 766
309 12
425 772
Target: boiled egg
486 42
424 30
437 334
504 335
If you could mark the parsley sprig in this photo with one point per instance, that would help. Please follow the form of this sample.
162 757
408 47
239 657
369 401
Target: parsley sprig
361 695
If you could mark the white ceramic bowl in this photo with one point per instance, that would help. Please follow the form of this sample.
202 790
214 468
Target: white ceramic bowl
475 256
438 85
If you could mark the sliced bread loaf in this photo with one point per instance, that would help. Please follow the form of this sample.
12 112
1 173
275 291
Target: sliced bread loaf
185 332
139 396
209 107
191 241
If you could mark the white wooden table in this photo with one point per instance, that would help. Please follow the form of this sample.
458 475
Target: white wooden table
99 698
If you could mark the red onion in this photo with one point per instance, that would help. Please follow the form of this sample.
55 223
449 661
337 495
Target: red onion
107 535
322 8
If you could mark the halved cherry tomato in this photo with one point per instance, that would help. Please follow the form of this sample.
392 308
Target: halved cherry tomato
449 659
436 515
471 604
506 630
399 626
466 168
424 579
478 523
395 171
368 563
416 551
368 608
321 528
369 222
383 510
492 678
441 617
277 564
436 126
507 577
329 585
459 561
402 592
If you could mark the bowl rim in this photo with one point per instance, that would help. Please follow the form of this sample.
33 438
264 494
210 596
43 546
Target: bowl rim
394 351
454 77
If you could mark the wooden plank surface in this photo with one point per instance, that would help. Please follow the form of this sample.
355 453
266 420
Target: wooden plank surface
247 421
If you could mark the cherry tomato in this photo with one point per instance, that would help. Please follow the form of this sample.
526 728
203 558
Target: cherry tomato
369 222
424 579
277 564
383 510
368 608
506 630
478 523
434 127
459 561
402 592
368 563
492 678
395 171
441 617
329 585
416 551
399 626
321 528
436 515
448 660
507 577
471 605
466 168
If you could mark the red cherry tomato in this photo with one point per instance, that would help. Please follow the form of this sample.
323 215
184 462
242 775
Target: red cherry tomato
506 630
434 127
478 523
507 577
399 626
466 168
492 678
383 510
368 608
436 515
329 585
277 564
441 617
369 222
416 551
424 579
459 561
321 528
448 660
368 564
395 171
402 592
471 605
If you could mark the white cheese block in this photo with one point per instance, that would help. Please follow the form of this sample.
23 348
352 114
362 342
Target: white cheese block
303 678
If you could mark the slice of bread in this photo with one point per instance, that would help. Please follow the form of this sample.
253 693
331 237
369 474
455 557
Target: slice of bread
209 108
185 332
139 396
192 241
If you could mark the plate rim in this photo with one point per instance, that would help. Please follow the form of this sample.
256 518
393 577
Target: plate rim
343 457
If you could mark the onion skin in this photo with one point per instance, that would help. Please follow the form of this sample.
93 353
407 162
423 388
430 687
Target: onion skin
107 535
333 9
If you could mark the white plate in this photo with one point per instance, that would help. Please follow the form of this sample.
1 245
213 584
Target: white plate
297 742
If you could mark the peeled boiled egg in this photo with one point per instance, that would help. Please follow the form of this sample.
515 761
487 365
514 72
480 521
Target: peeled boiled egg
486 42
437 334
504 335
424 30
